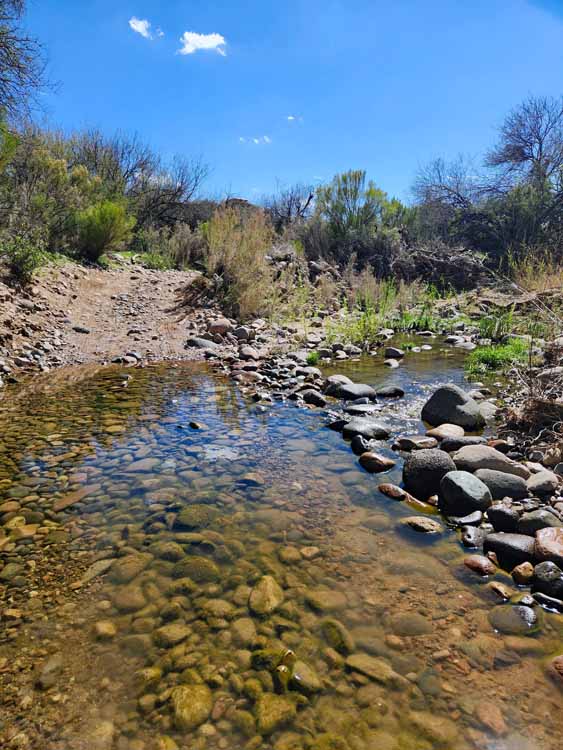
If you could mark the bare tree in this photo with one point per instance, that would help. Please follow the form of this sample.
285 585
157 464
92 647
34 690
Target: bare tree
22 64
530 146
455 184
289 205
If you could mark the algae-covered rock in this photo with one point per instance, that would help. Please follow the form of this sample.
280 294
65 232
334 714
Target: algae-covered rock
244 632
305 679
170 635
245 723
170 551
329 741
266 596
191 706
198 569
124 569
337 636
196 516
273 712
372 667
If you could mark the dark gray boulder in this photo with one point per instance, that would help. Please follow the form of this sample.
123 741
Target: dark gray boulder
548 579
390 391
472 537
199 343
461 493
450 404
451 444
502 484
538 519
504 517
510 549
366 427
313 397
352 391
333 383
423 471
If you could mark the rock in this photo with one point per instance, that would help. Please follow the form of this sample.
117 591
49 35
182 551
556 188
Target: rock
334 382
390 391
410 624
266 596
474 457
490 716
514 619
504 517
100 735
128 598
523 574
220 326
361 410
393 363
199 569
374 668
242 333
480 564
75 497
503 485
273 712
555 670
199 343
392 352
535 520
472 538
244 632
49 672
439 730
423 471
510 549
366 427
549 545
543 483
423 524
461 493
170 635
305 679
195 516
313 397
145 465
359 445
453 444
81 329
547 578
338 636
170 551
124 569
191 706
97 569
443 431
326 600
449 404
375 463
104 630
415 442
352 391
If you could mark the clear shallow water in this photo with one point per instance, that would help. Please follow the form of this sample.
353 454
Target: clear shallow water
276 494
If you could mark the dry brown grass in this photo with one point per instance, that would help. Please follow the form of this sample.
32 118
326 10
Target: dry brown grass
538 270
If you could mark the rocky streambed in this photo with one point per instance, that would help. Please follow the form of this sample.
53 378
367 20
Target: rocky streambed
188 562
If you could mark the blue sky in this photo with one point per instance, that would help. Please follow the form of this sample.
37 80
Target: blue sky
372 84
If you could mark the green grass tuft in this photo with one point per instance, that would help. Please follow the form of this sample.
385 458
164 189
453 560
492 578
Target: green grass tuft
498 357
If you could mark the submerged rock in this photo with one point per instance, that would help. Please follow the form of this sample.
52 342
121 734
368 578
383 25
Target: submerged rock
514 619
423 524
375 462
191 706
450 404
274 712
366 427
195 516
376 669
266 596
338 636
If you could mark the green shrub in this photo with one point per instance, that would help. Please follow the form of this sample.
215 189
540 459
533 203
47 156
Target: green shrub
313 358
498 357
102 228
157 262
24 254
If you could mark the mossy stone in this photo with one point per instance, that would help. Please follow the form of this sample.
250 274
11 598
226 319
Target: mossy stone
191 706
198 569
274 712
196 516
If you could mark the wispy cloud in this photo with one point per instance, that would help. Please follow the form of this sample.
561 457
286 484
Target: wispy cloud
294 118
257 140
192 42
141 26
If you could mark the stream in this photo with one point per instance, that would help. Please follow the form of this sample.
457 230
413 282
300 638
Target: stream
198 570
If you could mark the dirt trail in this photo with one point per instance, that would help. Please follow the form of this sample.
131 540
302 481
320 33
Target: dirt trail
74 315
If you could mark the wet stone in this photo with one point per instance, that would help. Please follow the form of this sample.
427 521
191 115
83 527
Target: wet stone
191 706
266 596
514 619
274 712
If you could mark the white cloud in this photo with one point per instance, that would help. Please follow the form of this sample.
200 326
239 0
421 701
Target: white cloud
159 32
291 118
258 140
141 26
294 118
191 42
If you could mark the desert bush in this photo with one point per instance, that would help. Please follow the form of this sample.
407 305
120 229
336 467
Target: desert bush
237 244
23 254
102 228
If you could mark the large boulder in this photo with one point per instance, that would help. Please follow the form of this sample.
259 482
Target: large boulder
510 549
366 427
191 706
423 471
543 483
461 493
474 457
503 485
538 519
352 391
548 579
334 382
450 404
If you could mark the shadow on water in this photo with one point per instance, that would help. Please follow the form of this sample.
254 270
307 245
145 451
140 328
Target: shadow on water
391 633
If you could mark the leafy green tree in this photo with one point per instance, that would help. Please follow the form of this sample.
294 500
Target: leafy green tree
102 228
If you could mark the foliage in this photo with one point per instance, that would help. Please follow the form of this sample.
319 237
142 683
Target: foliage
102 228
496 327
313 359
237 243
23 254
498 357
